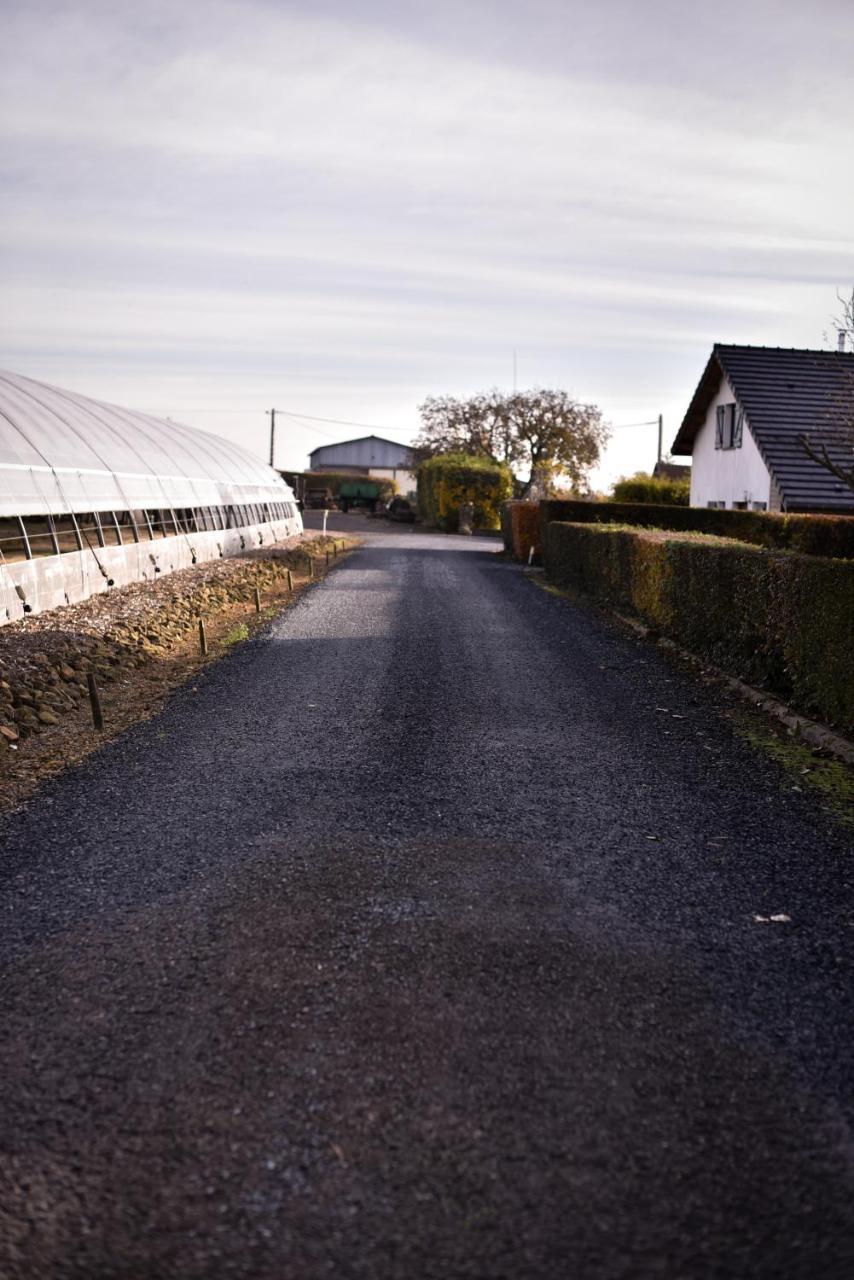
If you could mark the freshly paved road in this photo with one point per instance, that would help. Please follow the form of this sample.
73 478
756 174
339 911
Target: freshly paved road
417 940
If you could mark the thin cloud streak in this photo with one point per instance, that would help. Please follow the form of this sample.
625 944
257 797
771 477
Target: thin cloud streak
362 208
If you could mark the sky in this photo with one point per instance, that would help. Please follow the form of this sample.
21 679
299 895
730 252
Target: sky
339 208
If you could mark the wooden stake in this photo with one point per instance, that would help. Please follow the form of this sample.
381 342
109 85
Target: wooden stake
290 581
257 600
327 559
95 702
311 566
203 640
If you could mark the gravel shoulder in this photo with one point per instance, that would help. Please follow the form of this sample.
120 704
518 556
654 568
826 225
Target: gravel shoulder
415 939
140 642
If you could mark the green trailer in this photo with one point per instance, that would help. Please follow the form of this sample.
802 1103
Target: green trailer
359 493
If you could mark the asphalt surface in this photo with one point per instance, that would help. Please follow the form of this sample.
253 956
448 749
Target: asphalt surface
418 939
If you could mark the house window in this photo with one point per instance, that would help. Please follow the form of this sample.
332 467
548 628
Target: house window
729 426
739 506
717 506
759 506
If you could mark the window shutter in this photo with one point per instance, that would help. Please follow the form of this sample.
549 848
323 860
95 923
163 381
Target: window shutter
719 429
738 433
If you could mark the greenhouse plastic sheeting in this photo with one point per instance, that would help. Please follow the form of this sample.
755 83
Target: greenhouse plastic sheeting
62 452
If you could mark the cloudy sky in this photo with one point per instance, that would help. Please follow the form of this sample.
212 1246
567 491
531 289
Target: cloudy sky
339 208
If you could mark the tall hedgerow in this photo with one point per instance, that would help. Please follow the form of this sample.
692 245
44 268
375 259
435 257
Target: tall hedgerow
642 487
449 480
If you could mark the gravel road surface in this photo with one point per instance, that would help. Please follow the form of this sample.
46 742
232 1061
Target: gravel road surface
418 938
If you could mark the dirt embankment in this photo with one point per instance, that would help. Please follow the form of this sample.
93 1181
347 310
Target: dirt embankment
140 642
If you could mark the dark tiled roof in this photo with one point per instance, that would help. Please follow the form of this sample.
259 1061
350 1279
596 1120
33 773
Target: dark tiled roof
785 393
671 471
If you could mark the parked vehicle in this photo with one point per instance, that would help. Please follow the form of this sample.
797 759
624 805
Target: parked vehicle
359 493
316 499
401 510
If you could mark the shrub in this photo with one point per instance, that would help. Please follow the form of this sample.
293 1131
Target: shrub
831 536
642 487
520 529
449 480
775 618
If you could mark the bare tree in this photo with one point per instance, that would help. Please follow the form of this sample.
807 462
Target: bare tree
540 433
832 446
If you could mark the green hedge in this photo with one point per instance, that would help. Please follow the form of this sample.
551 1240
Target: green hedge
774 618
814 535
655 489
333 480
449 480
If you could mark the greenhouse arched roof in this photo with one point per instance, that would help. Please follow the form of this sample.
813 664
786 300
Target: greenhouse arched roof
60 452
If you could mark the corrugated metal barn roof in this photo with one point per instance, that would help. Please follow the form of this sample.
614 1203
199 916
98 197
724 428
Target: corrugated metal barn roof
366 451
785 393
60 452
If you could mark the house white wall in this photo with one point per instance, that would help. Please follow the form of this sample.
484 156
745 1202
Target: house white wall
727 475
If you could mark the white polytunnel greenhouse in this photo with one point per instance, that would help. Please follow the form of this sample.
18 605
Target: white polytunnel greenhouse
94 496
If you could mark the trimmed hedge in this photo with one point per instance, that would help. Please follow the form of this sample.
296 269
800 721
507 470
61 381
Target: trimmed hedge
333 480
449 480
831 536
774 618
655 489
520 529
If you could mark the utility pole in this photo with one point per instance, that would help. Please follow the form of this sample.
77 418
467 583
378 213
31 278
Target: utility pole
271 413
660 434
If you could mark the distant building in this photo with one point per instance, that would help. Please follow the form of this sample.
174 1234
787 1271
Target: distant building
368 455
671 471
743 424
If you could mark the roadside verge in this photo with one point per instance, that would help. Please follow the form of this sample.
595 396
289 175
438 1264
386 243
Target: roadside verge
139 643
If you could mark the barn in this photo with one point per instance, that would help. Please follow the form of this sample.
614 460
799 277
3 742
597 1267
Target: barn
368 455
94 496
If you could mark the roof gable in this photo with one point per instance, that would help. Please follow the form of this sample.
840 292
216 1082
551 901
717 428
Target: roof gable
342 444
785 393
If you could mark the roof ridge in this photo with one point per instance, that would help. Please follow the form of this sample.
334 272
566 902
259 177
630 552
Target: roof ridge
803 351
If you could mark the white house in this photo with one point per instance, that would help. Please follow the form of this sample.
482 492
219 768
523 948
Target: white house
743 426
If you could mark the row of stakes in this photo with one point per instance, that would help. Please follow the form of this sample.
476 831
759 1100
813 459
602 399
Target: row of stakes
94 694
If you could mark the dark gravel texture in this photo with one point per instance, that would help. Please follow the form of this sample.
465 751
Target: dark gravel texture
417 939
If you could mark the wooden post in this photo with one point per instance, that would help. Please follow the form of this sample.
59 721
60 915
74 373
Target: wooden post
311 566
257 600
290 581
327 558
335 548
203 640
95 702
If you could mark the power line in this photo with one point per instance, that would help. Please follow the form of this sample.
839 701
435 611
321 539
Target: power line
622 426
307 417
342 422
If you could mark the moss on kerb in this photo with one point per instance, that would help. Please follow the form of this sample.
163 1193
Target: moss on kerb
777 619
833 780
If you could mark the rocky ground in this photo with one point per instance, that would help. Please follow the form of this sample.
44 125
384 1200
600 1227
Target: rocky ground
140 642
